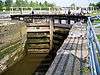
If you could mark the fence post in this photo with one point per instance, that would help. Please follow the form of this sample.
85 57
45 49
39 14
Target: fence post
51 33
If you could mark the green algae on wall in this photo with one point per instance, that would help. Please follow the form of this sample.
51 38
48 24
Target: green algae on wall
12 42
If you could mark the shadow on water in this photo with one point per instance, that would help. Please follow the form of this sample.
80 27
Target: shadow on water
44 65
31 64
34 64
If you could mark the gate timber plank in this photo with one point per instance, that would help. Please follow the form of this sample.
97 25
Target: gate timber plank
69 58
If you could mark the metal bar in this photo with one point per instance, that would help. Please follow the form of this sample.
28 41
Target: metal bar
93 44
95 38
90 53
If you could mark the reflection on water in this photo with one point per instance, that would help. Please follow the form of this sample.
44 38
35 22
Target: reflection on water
31 64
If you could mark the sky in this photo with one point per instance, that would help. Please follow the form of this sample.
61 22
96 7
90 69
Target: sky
64 3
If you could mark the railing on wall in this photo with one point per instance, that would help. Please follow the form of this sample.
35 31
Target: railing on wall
47 10
94 48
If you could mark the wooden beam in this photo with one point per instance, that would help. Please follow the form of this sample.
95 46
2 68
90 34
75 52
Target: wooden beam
51 33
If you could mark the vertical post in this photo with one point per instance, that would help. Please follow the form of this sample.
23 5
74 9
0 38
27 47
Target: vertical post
49 10
68 20
69 12
96 10
33 20
75 8
59 21
12 10
54 11
40 11
51 33
21 10
58 11
31 9
93 8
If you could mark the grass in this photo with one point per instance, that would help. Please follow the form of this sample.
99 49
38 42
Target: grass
98 57
94 13
85 69
98 36
97 21
97 27
3 47
9 50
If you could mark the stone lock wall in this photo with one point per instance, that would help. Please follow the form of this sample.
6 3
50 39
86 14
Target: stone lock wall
12 42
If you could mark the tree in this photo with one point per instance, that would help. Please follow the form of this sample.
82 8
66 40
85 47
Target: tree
8 3
25 3
1 4
73 6
36 3
40 4
91 4
19 3
31 4
46 3
98 5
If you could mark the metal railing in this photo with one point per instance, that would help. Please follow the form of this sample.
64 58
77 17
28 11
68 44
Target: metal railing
47 10
94 48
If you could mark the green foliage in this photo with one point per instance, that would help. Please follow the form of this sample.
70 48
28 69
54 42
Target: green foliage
8 3
97 21
19 3
85 69
9 50
98 36
92 4
98 57
1 4
97 27
39 4
73 5
94 13
97 5
23 3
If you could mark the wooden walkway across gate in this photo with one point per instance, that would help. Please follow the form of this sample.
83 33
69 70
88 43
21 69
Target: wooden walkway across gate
72 56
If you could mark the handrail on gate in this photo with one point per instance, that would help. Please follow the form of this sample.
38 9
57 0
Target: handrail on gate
94 48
